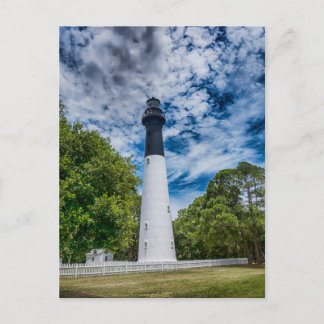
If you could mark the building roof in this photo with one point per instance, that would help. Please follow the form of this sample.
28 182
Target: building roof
97 252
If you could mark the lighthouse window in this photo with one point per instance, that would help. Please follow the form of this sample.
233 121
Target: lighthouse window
172 245
146 225
147 161
168 209
145 244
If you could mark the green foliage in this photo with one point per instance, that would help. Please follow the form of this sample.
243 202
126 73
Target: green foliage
188 240
130 251
98 195
228 221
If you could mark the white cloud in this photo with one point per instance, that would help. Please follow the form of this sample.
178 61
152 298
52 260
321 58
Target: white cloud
107 74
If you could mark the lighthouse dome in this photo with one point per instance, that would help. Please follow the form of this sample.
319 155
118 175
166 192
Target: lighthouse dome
153 103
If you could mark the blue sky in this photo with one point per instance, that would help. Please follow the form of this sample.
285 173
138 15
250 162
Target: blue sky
210 81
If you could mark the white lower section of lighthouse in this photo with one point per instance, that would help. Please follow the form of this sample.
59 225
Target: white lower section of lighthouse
156 241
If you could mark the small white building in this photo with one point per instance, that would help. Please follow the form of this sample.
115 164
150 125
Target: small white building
99 255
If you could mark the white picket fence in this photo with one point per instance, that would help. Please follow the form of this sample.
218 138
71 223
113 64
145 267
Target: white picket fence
123 267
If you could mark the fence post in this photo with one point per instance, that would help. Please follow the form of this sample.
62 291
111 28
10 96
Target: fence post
104 270
126 268
76 271
162 266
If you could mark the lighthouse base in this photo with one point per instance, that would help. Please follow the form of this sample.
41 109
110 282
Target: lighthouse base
156 243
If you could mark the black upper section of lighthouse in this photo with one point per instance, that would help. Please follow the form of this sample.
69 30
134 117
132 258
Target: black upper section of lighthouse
153 119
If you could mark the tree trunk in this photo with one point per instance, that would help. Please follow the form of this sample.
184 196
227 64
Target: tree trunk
256 248
246 249
228 255
261 252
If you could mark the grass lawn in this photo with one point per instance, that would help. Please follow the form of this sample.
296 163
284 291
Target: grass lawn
232 282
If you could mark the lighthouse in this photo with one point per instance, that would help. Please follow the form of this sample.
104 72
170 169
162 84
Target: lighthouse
156 241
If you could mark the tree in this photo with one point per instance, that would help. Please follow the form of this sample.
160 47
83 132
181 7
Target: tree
188 241
220 228
98 193
130 252
251 179
225 184
228 220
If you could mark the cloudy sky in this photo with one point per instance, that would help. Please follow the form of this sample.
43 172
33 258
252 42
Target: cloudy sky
210 81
